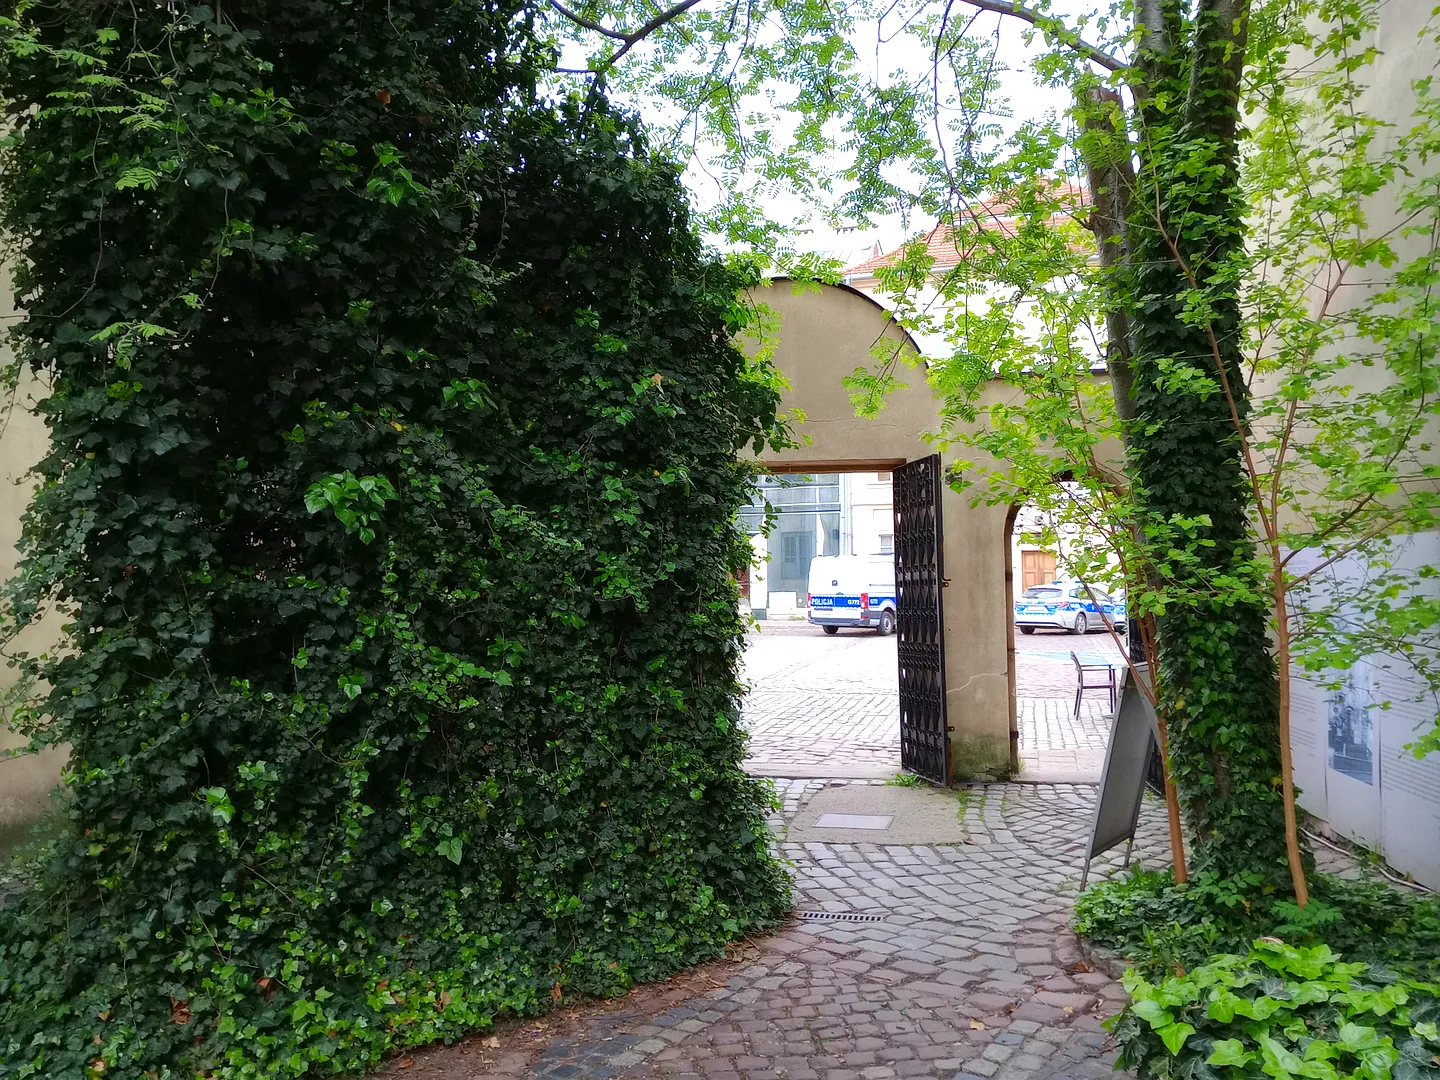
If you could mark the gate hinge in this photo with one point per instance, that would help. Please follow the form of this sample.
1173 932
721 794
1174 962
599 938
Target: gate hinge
945 583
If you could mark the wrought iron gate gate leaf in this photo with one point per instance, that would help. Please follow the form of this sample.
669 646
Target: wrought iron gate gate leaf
919 573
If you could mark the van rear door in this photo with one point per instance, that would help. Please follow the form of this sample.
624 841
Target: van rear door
823 572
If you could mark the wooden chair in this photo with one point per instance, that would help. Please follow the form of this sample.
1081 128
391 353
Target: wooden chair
1093 677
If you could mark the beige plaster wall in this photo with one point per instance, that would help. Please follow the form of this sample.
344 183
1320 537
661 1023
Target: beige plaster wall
1399 814
25 781
1388 94
824 335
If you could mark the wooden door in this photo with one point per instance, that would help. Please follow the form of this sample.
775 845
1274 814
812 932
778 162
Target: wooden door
1036 568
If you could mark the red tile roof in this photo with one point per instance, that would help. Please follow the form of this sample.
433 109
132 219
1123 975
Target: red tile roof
940 242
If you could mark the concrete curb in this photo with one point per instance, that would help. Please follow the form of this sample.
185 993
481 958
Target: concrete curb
1103 959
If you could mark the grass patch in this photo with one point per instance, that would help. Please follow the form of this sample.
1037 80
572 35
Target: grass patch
905 779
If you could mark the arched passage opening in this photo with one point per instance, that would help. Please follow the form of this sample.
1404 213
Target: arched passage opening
965 692
1060 722
1007 697
822 668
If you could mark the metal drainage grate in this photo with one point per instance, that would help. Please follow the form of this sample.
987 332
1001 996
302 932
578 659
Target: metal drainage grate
838 916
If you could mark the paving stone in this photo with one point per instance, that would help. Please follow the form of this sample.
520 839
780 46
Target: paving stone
1033 956
1055 1035
1064 1000
971 934
1044 1014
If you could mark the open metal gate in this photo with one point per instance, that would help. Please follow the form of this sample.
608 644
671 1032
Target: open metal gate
919 577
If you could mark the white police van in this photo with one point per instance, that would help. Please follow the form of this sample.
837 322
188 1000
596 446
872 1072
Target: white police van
1067 605
853 590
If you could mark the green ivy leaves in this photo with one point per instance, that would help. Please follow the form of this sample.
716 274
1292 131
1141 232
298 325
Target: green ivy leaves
356 501
1162 1021
1282 1011
402 635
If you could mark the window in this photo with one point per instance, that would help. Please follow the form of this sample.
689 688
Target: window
1041 592
887 543
796 551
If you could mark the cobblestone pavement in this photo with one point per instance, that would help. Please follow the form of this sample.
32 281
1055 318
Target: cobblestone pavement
1056 744
822 704
961 969
1050 723
827 706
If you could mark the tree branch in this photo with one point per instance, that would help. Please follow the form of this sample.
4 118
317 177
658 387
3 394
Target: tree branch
1049 26
588 24
1373 534
628 38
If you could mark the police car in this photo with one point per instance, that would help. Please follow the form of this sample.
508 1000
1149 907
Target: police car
1066 605
853 590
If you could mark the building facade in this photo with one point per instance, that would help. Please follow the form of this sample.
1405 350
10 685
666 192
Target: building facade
809 515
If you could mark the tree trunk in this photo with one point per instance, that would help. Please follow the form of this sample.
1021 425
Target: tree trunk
1110 175
1287 775
1185 231
1111 178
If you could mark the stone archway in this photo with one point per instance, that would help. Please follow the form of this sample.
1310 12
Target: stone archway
825 332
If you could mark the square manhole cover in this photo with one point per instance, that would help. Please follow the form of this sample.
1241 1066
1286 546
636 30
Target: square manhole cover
853 821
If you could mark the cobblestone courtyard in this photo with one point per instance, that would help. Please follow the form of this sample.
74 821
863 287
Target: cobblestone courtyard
827 706
948 960
963 968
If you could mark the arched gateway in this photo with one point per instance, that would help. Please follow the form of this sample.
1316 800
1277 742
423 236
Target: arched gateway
824 334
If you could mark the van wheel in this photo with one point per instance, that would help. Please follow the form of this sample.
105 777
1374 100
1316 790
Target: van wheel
832 630
1027 630
1082 624
887 623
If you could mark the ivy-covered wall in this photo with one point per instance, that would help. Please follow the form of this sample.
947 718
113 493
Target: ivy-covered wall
391 486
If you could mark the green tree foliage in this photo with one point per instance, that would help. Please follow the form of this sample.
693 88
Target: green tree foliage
389 506
1247 435
1176 236
1325 401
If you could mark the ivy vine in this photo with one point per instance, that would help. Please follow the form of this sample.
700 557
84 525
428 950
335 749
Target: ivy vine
389 505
